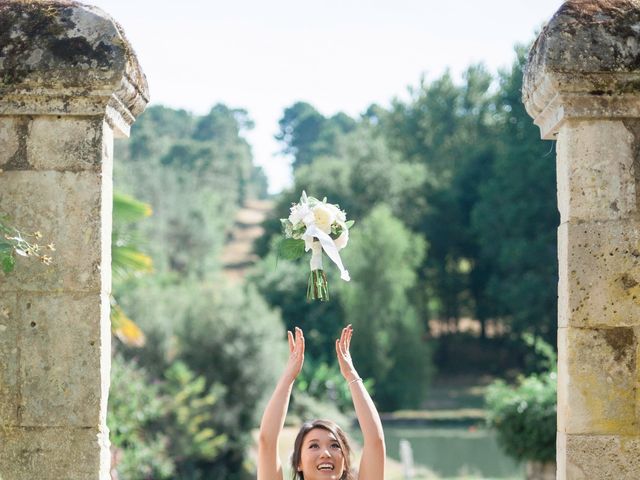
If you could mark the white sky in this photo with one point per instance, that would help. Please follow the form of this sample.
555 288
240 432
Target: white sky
337 55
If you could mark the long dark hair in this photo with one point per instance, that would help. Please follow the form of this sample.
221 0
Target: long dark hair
337 432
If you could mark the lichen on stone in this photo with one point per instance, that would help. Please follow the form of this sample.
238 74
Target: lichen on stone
622 341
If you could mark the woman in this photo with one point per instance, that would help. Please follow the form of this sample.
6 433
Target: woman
321 449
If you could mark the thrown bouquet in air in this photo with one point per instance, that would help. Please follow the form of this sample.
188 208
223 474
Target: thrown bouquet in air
316 226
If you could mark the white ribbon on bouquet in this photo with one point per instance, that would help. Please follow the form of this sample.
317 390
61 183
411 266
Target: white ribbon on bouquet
330 247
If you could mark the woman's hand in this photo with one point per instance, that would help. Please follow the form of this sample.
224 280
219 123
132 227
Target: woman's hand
344 357
296 354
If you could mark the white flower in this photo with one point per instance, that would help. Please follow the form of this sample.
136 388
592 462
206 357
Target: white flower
338 214
323 217
298 212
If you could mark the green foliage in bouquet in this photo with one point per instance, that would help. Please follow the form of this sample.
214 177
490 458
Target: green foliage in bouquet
291 249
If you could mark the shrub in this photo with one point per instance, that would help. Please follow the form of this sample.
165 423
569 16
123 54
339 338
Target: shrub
524 416
232 338
160 429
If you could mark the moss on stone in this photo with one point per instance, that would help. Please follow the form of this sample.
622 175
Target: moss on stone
30 26
622 341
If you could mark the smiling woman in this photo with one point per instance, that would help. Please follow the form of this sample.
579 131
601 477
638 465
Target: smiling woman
321 449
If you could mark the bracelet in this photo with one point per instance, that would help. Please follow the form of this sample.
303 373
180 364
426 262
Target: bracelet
354 380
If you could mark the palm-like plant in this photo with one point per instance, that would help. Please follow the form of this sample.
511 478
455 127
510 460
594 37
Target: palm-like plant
127 260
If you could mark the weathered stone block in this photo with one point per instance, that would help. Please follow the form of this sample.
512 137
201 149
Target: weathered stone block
584 64
9 360
66 207
97 72
9 140
68 143
52 453
597 381
595 170
60 370
601 457
599 274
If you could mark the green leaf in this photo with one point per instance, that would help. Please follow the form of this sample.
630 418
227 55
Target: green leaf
7 261
291 248
5 247
127 209
350 223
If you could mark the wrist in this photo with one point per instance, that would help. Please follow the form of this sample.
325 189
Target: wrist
288 379
351 376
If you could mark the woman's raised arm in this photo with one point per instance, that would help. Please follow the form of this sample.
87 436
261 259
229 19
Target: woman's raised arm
269 464
373 450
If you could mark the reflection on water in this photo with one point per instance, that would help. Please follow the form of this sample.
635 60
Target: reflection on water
454 452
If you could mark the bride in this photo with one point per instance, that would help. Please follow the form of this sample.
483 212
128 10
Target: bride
321 449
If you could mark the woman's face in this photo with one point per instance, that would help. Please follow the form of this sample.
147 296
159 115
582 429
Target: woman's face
321 456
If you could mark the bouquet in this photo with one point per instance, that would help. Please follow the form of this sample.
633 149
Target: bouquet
316 226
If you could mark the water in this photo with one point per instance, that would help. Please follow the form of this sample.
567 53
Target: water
454 452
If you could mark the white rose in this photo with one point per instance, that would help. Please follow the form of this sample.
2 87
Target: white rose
323 217
337 213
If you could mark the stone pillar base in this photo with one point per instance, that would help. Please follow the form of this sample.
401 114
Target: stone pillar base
590 457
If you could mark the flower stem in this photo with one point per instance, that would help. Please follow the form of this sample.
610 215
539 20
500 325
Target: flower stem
317 288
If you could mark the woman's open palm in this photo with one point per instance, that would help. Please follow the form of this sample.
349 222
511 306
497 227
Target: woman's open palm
296 354
344 356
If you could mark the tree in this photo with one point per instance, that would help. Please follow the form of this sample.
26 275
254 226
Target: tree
227 335
195 171
516 217
361 173
447 129
389 343
307 134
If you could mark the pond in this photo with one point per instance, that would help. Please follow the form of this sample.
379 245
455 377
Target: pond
454 452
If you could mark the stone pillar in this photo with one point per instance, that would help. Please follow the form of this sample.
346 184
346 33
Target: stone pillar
69 82
582 87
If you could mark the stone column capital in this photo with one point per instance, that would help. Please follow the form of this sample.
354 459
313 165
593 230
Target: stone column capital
60 57
585 64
